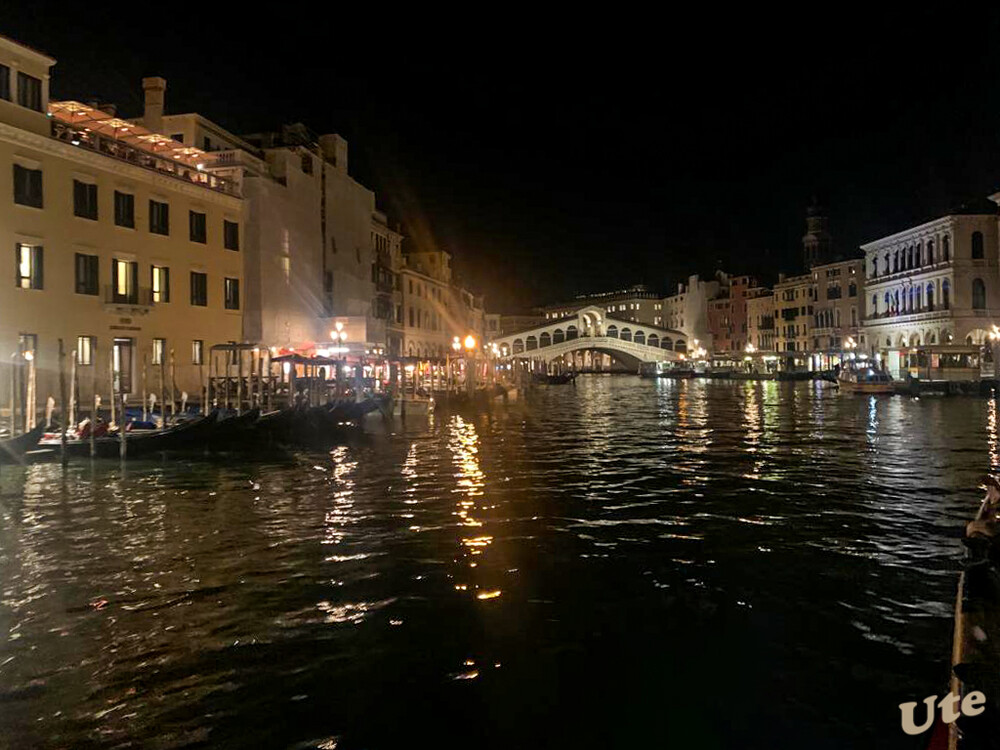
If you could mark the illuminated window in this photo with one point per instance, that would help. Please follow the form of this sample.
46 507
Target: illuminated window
29 273
231 288
85 350
159 348
161 284
197 352
125 281
27 342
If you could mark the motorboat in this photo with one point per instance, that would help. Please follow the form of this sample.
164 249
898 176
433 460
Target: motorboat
865 377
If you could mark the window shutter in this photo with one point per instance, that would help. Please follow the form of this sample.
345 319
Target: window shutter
38 268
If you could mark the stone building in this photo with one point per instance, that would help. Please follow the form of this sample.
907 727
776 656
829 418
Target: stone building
687 309
760 320
794 305
727 314
935 284
838 312
124 248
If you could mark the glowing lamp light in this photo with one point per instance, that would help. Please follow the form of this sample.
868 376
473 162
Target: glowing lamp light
339 326
29 355
409 369
456 344
470 342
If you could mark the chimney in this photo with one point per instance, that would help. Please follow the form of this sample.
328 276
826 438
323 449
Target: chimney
153 89
334 149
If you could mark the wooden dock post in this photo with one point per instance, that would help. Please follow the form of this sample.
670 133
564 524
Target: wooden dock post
63 413
122 441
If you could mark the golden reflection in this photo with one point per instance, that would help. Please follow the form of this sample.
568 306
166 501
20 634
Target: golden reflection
470 484
342 480
991 432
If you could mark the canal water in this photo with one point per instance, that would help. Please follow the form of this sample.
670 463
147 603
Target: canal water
624 563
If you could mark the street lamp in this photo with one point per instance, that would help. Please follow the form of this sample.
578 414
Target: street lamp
470 342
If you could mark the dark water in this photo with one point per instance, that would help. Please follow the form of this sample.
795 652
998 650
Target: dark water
623 564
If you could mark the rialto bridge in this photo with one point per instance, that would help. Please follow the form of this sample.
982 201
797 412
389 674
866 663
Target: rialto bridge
591 330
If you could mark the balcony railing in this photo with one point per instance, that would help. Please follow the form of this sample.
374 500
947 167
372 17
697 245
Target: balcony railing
130 154
136 298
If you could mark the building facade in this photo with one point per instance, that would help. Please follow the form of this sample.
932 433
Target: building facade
936 284
838 313
760 321
727 314
687 310
124 249
434 309
794 306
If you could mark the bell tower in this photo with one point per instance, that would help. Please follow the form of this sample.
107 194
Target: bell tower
816 242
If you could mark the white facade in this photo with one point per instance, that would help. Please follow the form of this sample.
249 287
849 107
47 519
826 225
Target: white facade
687 310
935 284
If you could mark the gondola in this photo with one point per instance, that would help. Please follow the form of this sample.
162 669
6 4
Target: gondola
138 443
560 379
12 450
975 659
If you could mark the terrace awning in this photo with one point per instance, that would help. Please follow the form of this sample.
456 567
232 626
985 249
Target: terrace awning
90 118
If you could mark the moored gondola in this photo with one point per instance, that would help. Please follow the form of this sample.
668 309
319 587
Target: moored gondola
13 450
975 659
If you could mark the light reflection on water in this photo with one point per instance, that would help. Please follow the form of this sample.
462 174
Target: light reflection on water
633 557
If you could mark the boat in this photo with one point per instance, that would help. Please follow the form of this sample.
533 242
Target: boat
185 433
543 378
13 450
975 662
865 377
795 375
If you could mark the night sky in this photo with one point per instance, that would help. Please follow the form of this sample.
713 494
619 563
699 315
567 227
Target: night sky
560 156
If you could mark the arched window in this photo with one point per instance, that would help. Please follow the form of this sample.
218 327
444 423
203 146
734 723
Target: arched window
888 342
530 343
930 252
895 261
945 294
626 334
930 296
545 340
920 298
640 337
918 256
681 346
571 332
653 340
874 305
978 294
888 303
518 346
666 343
977 246
612 331
931 338
874 271
946 248
888 268
558 336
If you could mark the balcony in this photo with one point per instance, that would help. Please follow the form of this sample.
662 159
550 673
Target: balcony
925 313
136 302
116 149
